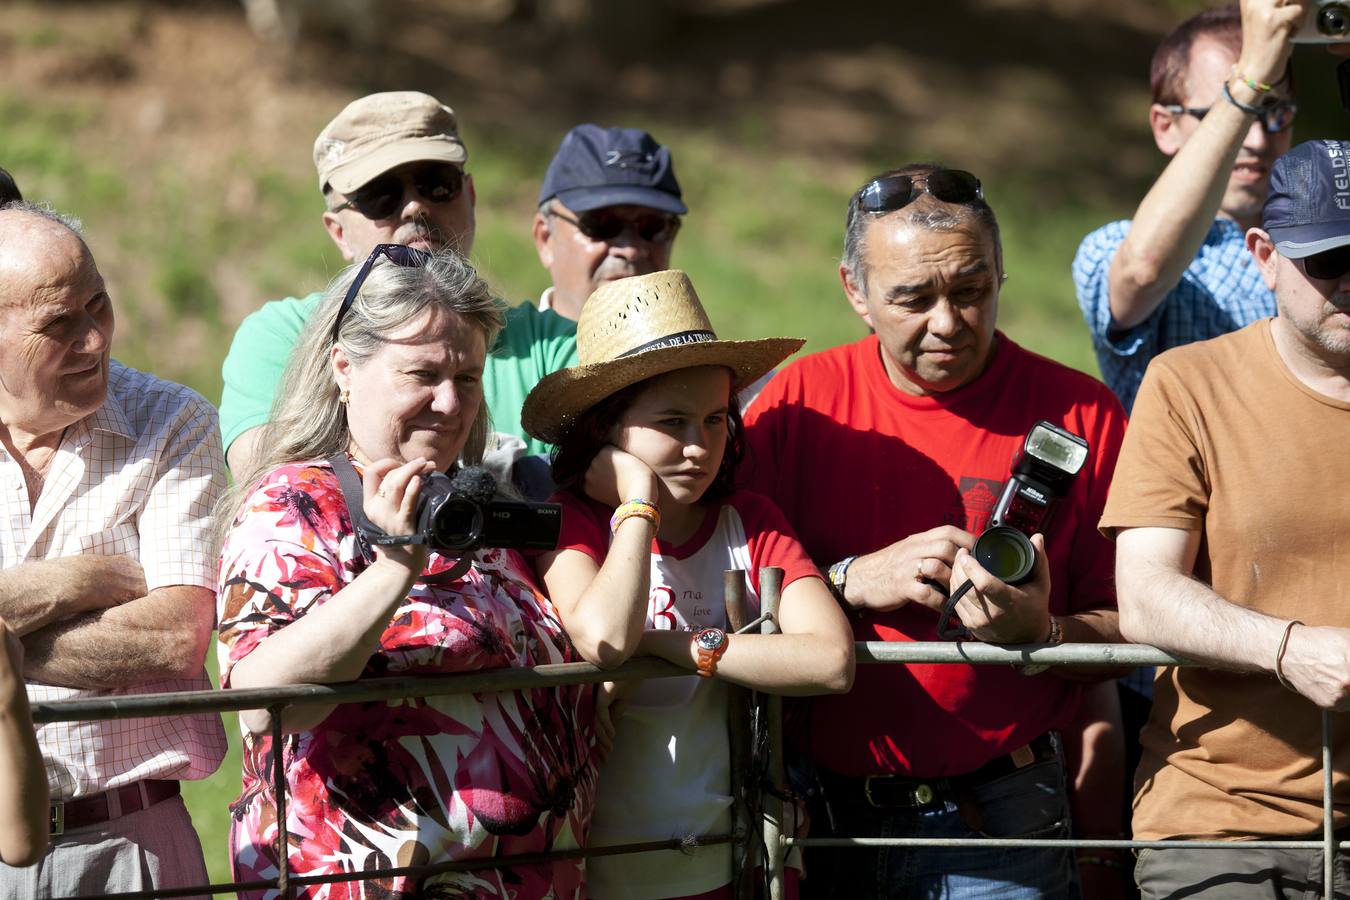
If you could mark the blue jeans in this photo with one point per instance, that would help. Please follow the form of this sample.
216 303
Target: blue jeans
1030 803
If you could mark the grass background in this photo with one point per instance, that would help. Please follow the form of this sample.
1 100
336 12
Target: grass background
183 142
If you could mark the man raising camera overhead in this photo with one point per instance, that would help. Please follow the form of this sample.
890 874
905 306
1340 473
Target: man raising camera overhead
888 456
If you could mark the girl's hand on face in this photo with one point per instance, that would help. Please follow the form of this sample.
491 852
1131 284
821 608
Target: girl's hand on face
615 477
390 490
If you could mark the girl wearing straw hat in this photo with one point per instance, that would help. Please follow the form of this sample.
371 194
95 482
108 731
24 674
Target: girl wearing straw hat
648 438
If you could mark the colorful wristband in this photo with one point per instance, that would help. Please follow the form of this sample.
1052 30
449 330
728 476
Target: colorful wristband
642 509
1259 86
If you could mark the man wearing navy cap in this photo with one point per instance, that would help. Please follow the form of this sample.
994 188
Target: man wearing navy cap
1232 528
609 208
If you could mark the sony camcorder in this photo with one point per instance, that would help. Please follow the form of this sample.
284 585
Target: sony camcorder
462 512
456 514
1328 22
1042 474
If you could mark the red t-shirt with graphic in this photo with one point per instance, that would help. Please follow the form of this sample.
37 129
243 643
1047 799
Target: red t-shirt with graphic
856 464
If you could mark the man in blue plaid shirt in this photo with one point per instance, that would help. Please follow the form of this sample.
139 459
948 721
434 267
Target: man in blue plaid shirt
1180 272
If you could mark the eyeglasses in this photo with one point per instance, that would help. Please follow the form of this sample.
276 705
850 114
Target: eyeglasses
382 197
604 224
891 192
399 255
1329 265
1274 116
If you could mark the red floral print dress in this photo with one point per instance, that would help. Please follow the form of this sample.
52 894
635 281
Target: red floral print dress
405 782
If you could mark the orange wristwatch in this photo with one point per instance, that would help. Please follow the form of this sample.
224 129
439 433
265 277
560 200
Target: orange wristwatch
711 644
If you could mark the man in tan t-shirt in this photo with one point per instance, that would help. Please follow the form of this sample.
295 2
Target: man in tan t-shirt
1232 523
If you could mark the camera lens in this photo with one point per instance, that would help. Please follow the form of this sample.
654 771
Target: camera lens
1006 553
456 524
1333 20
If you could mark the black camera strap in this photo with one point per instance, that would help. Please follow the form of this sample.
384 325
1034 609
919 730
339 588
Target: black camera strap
960 632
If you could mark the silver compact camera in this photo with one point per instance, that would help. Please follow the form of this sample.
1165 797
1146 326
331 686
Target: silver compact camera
1328 23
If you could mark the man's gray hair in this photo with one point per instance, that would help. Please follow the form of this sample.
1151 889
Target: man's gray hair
70 223
926 211
308 421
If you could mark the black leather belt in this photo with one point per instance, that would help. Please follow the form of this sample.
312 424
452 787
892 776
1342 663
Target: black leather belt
905 792
67 815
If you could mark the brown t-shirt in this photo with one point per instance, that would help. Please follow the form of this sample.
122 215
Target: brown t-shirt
1225 440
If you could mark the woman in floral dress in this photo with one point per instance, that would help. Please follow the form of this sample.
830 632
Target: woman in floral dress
388 376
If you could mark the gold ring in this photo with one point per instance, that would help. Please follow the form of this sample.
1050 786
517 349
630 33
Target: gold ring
918 570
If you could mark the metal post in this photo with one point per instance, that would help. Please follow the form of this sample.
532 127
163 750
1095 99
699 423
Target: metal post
770 587
1328 832
738 721
279 786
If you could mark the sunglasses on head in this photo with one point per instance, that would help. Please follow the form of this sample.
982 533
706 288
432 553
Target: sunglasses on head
382 197
399 255
1274 116
1329 265
604 224
891 192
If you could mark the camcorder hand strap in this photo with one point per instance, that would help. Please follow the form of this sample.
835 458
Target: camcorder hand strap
368 534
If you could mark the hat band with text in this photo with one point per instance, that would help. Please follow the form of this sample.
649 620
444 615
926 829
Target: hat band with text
672 340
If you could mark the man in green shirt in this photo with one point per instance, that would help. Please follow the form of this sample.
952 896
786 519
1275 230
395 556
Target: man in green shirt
391 169
609 208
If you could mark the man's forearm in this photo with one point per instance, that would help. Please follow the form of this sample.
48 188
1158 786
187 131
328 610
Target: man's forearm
1175 215
162 635
40 593
1175 612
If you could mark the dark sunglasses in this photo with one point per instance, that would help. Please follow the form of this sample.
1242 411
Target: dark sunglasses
399 255
1329 265
1274 117
891 192
605 224
382 197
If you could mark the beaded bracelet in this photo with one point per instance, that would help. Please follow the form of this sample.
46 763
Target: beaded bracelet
1259 86
643 509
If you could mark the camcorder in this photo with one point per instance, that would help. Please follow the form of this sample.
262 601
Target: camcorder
1042 474
457 513
1328 23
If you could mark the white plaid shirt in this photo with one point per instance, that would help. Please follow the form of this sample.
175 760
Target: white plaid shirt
139 476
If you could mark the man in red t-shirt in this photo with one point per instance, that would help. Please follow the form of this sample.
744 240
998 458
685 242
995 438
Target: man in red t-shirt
888 456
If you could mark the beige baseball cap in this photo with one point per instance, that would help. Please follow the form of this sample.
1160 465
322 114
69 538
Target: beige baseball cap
381 131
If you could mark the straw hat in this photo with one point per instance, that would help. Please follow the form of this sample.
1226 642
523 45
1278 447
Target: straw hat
632 329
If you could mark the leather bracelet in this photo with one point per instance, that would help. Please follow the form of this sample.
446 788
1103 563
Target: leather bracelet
1279 655
1247 108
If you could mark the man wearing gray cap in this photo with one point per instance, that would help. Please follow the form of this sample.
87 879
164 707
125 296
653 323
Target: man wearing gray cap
391 169
1233 550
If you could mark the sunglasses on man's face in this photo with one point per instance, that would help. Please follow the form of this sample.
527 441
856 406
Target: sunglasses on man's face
1274 116
605 224
891 192
382 197
399 255
1329 265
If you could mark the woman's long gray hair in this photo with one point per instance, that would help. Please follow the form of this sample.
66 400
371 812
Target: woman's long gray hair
308 421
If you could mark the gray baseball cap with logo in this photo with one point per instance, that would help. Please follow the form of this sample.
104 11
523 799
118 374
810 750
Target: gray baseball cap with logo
382 131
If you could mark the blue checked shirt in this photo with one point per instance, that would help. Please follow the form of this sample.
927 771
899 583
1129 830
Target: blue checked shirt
1220 291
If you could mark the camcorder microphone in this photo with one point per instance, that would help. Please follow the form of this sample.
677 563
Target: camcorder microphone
1042 475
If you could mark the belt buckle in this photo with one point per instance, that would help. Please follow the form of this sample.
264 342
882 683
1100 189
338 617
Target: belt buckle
920 795
56 821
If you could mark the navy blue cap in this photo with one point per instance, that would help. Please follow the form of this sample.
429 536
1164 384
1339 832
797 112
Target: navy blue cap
1308 209
597 167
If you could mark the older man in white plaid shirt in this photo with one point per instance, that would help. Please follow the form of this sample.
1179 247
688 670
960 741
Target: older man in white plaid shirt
108 478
